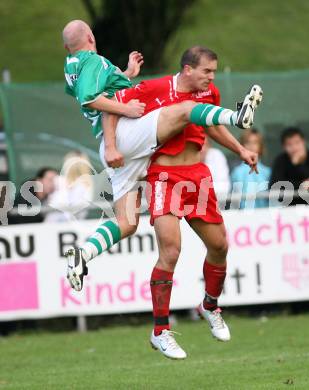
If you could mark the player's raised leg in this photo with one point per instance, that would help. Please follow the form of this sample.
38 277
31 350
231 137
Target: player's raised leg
106 235
174 118
214 270
161 283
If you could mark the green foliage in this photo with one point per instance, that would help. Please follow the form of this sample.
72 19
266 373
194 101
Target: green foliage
247 35
263 354
121 26
31 44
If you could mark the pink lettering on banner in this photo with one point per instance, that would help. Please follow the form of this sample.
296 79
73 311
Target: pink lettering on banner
281 227
259 231
145 291
129 290
101 288
305 225
18 286
125 290
295 270
66 294
243 236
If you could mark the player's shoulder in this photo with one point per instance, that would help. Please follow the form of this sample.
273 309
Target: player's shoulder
92 58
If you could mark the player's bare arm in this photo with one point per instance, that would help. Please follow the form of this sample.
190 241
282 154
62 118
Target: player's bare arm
113 157
132 109
225 138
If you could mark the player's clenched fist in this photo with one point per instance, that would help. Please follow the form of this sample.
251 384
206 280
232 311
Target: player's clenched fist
113 158
135 109
250 158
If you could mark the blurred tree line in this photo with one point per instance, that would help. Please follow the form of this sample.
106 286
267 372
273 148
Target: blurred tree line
121 26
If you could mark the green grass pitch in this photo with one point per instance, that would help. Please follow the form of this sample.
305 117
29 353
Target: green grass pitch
263 354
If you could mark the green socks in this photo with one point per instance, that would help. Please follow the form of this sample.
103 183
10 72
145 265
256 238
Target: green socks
106 235
210 115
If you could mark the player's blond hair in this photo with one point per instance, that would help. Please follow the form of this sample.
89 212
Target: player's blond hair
246 134
77 166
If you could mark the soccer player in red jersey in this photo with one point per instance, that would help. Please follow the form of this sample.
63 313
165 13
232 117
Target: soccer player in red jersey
182 186
93 80
189 96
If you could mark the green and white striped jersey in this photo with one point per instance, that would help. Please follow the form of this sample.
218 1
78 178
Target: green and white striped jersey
89 75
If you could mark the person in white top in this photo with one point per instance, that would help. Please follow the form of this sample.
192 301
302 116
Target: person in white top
74 189
217 163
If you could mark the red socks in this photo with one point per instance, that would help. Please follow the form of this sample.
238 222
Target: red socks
214 276
161 287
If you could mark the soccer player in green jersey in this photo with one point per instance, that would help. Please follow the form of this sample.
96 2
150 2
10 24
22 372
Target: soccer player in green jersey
93 80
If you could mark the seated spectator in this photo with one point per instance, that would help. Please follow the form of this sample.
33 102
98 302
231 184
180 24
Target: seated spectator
45 180
293 163
217 163
251 183
74 189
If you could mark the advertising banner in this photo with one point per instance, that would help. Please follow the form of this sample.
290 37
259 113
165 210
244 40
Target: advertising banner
268 261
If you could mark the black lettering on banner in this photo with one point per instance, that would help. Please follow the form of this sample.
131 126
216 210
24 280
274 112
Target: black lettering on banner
116 248
7 248
140 238
258 277
66 239
127 245
30 248
238 276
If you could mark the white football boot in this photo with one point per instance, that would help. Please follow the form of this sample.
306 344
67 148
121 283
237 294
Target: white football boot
167 344
218 327
77 268
247 108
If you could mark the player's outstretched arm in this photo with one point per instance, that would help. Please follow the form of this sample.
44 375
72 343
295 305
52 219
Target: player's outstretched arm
225 138
135 62
132 109
113 158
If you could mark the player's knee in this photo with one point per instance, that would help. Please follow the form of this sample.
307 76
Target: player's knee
219 248
186 108
126 228
169 254
131 229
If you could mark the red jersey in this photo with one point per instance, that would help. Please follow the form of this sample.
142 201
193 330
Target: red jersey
162 92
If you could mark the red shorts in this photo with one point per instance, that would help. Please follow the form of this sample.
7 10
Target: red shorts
184 191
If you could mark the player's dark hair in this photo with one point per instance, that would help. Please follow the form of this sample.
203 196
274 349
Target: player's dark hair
42 172
290 132
193 56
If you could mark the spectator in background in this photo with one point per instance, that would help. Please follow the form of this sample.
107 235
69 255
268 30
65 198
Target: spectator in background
293 163
45 180
217 163
250 183
74 189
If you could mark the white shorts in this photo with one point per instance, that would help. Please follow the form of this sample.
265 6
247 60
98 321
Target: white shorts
136 140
